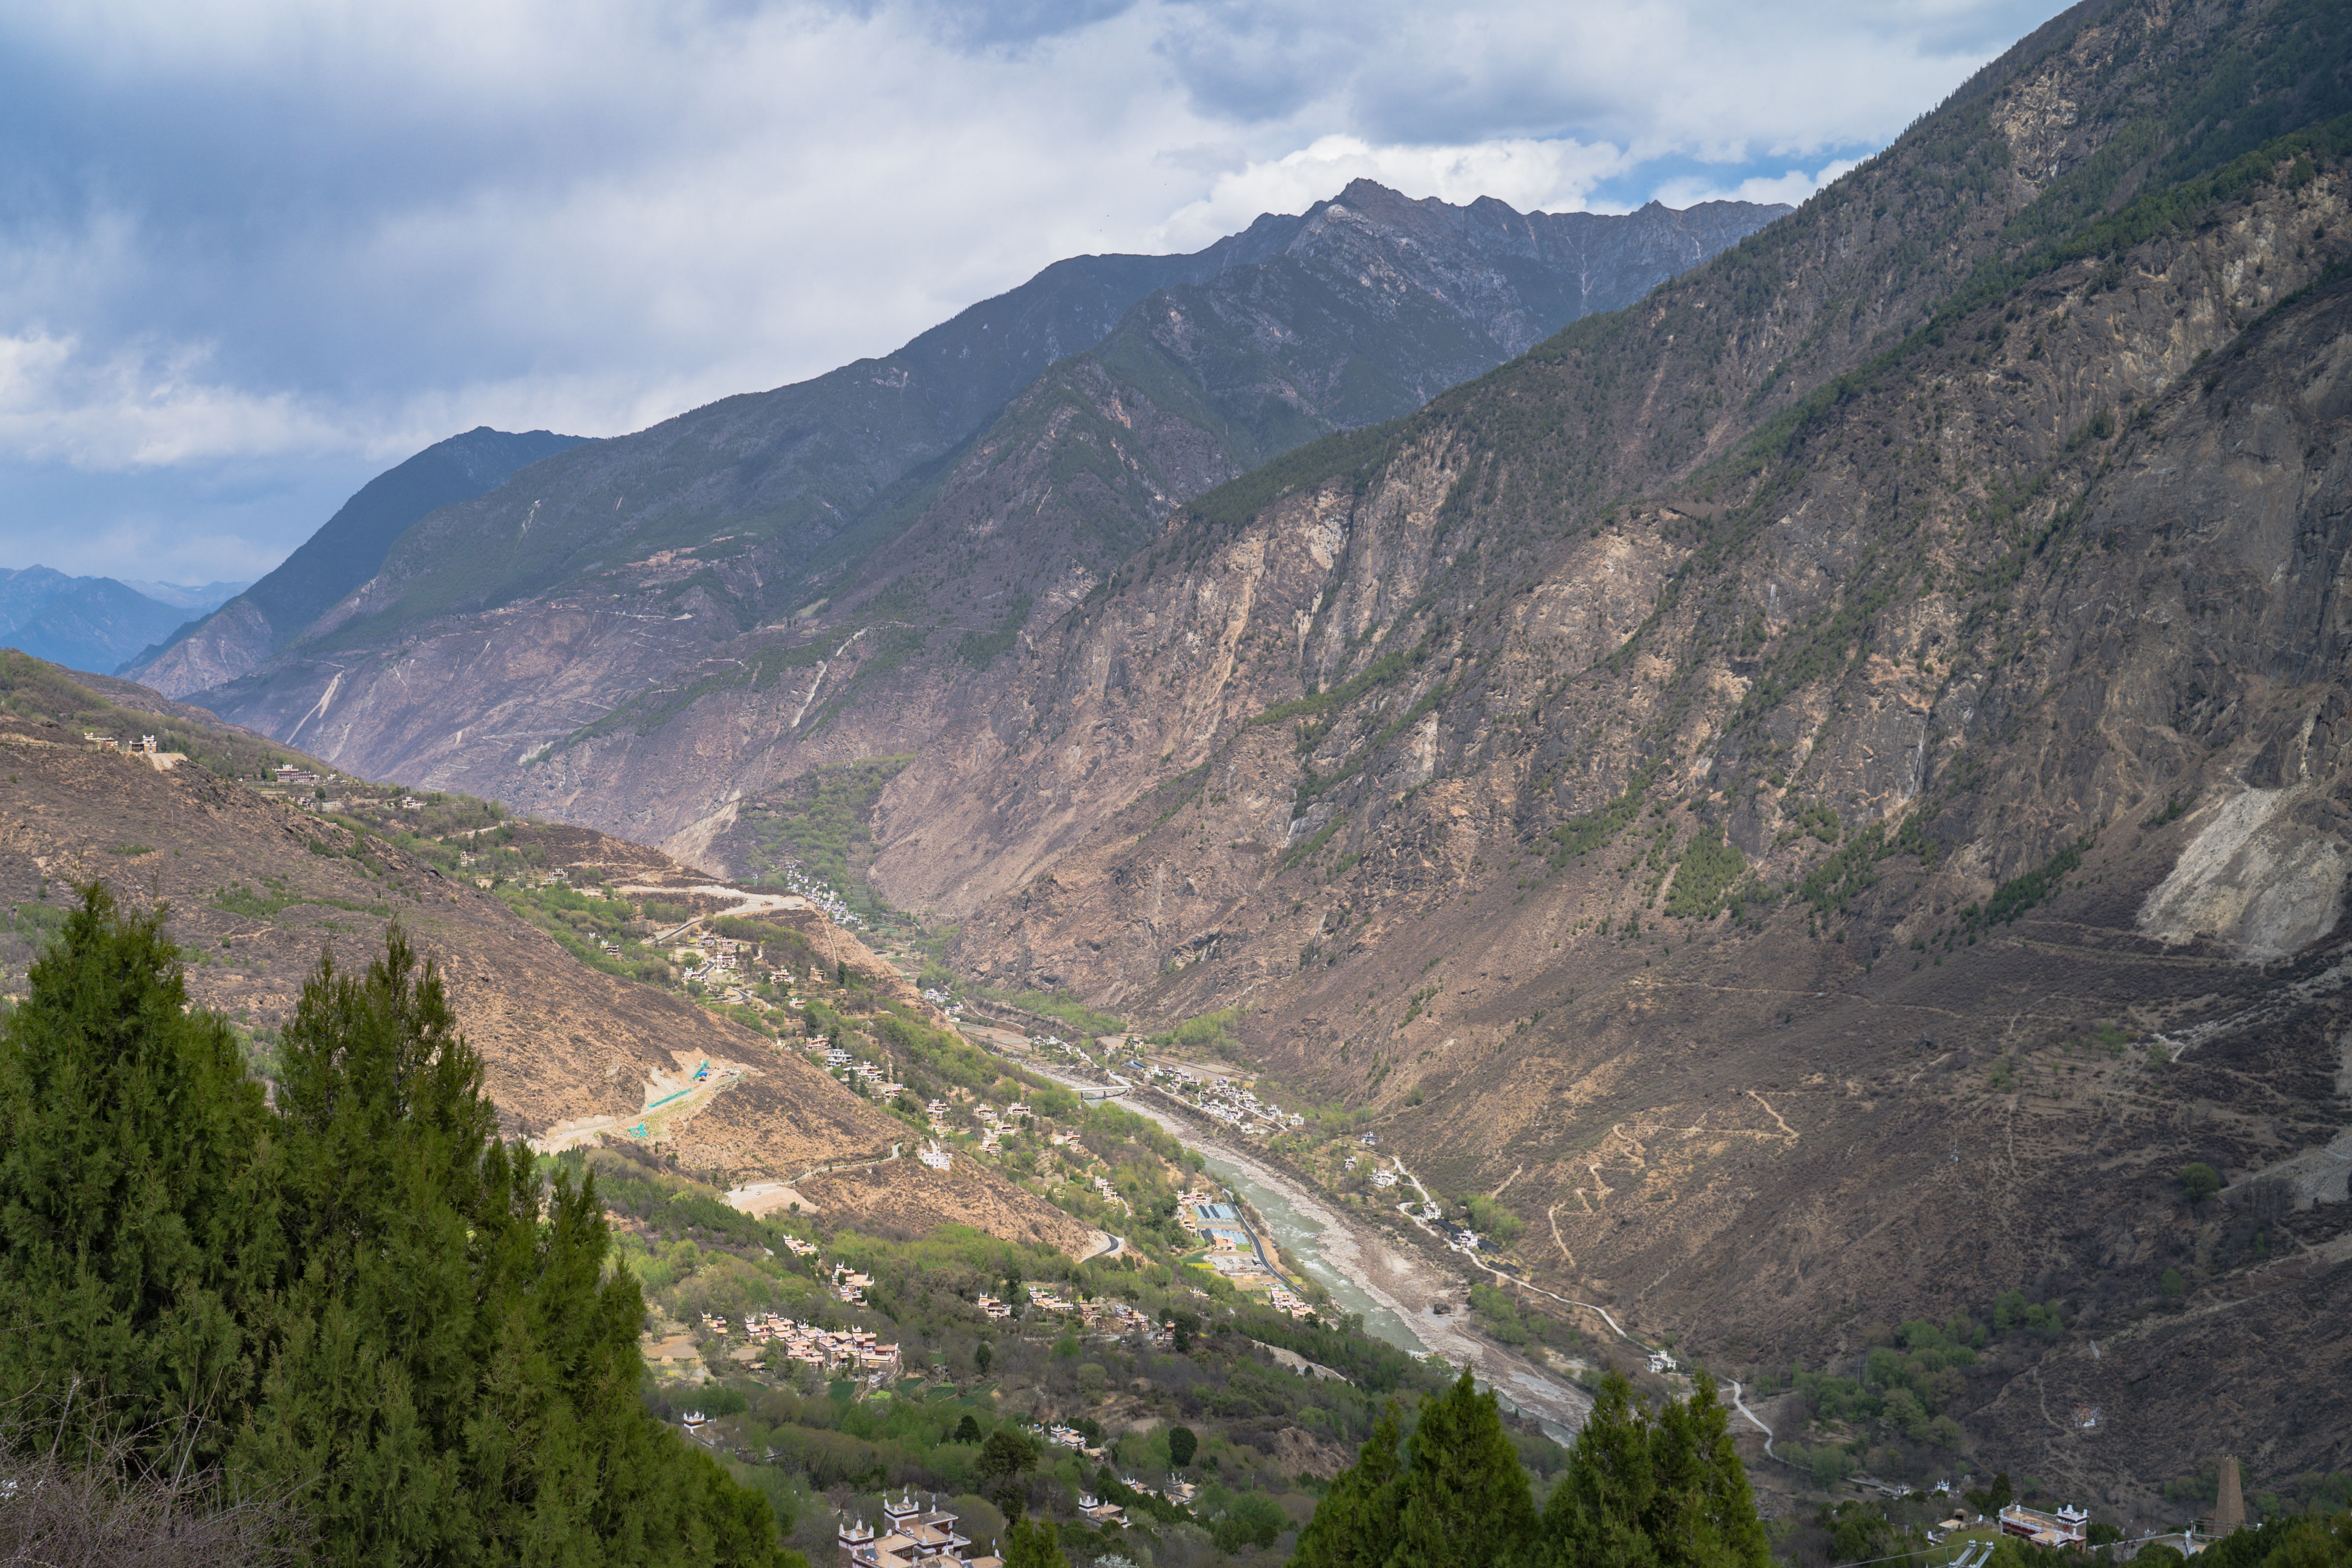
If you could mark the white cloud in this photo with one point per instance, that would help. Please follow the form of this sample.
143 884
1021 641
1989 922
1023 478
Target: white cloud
137 406
1531 175
334 228
1794 187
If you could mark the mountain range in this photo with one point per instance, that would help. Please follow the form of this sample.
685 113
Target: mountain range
1818 780
841 535
96 622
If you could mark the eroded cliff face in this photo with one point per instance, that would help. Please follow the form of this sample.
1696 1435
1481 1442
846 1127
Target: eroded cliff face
1843 881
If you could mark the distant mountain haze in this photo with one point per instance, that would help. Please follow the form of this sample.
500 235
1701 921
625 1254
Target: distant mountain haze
915 513
93 623
341 555
199 598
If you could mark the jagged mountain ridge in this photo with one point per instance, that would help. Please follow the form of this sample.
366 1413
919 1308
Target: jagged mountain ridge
1825 788
745 642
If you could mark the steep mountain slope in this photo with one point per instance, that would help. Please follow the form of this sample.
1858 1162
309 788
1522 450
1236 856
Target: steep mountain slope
85 623
257 887
341 555
629 637
1822 787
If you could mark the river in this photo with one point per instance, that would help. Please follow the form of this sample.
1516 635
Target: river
1392 1287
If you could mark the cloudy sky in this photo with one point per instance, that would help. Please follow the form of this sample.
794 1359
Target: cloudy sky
252 252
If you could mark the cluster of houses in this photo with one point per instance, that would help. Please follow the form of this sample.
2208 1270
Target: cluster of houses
1177 1491
911 1536
1226 1101
1099 1316
827 1350
947 1005
916 1536
820 893
1287 1301
722 962
1232 1250
842 1062
146 746
933 1156
993 1128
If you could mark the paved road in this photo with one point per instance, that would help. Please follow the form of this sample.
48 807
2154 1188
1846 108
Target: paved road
1742 1405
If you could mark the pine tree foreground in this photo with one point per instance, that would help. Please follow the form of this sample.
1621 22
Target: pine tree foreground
362 1299
1639 1492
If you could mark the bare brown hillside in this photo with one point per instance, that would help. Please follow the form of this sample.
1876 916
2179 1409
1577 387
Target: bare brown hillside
257 889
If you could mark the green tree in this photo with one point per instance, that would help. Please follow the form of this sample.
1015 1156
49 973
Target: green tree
1003 1460
1860 1533
967 1430
1706 1517
365 1299
1253 1519
1182 1444
1991 1499
1598 1516
1006 1453
1466 1503
1355 1525
1668 1490
137 1211
455 1375
2198 1181
1034 1544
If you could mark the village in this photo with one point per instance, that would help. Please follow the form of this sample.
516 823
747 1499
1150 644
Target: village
1226 1101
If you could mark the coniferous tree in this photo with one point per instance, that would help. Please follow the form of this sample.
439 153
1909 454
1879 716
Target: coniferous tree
1705 1514
1034 1544
1182 1444
1638 1492
137 1196
1467 1502
1355 1525
1597 1514
456 1380
364 1301
1667 1492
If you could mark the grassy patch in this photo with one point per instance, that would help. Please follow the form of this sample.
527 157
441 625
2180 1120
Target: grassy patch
1709 870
